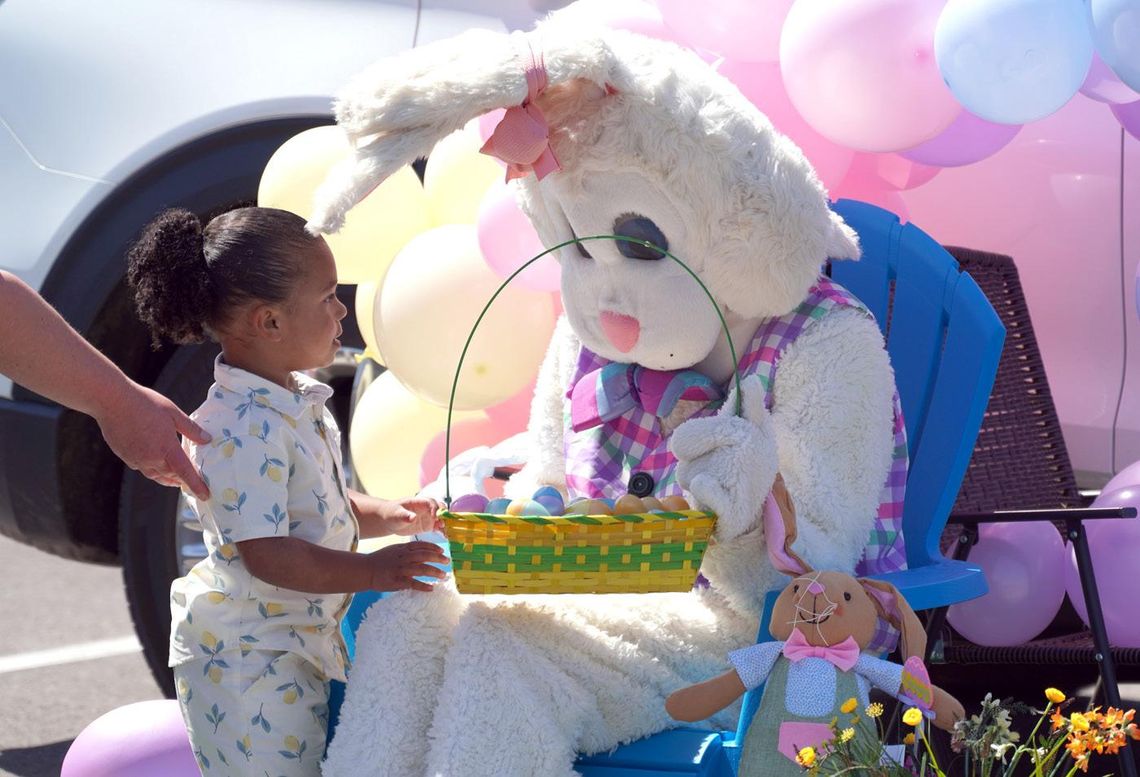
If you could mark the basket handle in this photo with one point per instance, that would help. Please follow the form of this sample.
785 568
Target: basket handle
511 277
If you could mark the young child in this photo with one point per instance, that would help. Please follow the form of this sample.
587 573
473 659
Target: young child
256 624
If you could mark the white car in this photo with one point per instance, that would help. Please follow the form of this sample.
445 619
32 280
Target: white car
110 112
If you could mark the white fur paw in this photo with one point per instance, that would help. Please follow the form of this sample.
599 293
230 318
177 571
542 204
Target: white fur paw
728 463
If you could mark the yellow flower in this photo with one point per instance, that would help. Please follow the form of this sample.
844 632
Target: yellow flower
1053 695
908 739
913 716
874 709
847 735
806 757
1079 722
849 706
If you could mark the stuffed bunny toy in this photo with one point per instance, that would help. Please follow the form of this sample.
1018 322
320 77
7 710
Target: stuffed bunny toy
608 132
823 622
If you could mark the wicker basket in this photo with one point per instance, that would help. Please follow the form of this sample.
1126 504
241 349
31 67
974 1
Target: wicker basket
635 553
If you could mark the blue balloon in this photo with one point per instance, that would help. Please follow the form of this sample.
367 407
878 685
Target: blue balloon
1116 32
1013 61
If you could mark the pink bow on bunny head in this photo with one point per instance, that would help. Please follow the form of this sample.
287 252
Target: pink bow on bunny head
522 136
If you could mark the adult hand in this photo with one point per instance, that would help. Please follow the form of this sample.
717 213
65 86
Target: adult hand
141 426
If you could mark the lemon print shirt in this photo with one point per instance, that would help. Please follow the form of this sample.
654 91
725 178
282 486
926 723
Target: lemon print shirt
274 470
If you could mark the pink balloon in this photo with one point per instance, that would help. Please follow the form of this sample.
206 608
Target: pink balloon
863 73
746 30
857 188
889 171
508 240
1102 85
465 435
487 123
1021 562
1129 117
763 85
1114 546
967 140
632 15
137 740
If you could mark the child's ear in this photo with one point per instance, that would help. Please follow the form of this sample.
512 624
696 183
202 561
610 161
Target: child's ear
266 322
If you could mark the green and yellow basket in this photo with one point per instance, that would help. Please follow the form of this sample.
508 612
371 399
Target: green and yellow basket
574 554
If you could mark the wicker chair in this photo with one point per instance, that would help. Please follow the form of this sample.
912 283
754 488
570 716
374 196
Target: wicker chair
1020 463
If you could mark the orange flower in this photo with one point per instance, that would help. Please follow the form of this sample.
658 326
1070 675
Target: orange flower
1057 719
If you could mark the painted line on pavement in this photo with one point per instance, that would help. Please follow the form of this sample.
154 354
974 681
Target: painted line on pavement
69 654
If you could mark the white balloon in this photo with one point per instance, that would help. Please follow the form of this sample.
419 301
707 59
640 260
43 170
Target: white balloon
428 303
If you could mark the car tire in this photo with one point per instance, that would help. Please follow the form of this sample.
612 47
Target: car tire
147 525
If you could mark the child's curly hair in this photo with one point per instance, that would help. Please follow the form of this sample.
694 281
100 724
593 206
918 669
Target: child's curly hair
188 278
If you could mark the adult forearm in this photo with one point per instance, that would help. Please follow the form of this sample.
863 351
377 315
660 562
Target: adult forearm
40 351
288 562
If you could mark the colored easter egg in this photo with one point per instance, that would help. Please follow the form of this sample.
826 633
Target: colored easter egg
534 507
469 503
498 506
548 497
674 504
651 503
628 504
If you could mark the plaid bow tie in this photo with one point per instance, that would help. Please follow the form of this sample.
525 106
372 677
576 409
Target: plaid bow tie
607 393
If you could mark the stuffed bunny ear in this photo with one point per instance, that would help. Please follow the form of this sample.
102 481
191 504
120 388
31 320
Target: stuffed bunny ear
894 609
780 530
398 109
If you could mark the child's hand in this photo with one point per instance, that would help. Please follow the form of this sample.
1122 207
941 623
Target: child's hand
414 516
395 567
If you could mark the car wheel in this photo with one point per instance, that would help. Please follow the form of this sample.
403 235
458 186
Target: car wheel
153 548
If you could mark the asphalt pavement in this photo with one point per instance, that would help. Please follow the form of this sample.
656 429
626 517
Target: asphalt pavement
68 654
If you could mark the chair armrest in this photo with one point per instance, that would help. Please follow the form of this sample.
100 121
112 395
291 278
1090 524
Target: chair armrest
1052 514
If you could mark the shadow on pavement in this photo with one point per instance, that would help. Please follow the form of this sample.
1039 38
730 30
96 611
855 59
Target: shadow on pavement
39 761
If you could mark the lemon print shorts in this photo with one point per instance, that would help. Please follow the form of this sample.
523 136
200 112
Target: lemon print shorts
261 711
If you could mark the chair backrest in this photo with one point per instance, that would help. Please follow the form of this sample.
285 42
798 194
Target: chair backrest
944 340
1020 460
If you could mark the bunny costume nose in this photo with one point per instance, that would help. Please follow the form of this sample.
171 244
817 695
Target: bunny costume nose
815 589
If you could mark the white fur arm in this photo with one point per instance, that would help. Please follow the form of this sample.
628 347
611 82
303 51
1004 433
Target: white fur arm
833 424
546 462
728 463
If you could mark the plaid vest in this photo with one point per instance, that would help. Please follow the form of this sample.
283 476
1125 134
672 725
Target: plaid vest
601 460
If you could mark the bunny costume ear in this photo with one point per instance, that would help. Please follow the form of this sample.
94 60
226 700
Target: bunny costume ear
893 608
398 109
780 531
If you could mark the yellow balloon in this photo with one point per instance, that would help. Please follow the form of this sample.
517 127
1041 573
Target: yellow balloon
391 428
374 231
365 302
428 303
457 177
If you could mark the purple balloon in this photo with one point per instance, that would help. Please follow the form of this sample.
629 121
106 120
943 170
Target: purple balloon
1114 546
1021 562
1102 85
137 740
967 140
1129 117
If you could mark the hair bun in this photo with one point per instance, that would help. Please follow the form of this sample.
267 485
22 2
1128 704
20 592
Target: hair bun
167 270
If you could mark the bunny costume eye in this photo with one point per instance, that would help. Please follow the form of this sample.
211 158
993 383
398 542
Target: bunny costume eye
639 228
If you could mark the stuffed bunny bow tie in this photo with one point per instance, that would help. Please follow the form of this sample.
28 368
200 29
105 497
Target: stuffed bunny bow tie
607 393
843 656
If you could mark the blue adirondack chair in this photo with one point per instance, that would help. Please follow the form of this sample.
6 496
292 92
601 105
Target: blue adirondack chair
944 340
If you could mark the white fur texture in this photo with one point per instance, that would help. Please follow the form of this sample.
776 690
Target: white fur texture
648 131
